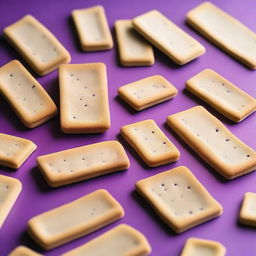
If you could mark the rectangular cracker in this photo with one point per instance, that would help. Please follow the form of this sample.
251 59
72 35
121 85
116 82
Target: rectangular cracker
221 94
168 37
179 198
212 141
37 45
150 143
133 49
75 219
147 92
23 251
10 189
247 214
225 31
76 164
121 240
14 151
27 97
84 104
92 27
203 247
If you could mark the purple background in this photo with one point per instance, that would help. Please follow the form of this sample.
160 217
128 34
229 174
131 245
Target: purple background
37 197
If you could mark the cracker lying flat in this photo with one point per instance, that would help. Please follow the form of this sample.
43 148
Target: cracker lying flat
147 92
167 37
122 240
84 98
10 189
75 219
14 151
92 27
248 210
76 164
179 198
225 31
205 134
221 94
134 50
202 247
23 251
26 96
150 143
37 45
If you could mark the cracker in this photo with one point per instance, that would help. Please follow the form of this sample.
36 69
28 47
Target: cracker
211 140
75 219
84 106
203 247
119 241
221 94
247 214
37 45
168 37
225 31
150 143
147 92
92 27
10 189
14 151
134 50
76 164
26 96
23 251
179 198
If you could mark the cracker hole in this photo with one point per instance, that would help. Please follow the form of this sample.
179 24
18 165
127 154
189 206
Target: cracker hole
227 139
146 138
175 184
217 130
223 84
181 196
228 91
188 187
24 99
85 105
81 98
160 195
77 79
190 212
248 155
93 95
11 75
83 159
164 142
71 75
74 117
71 171
33 86
162 184
153 132
201 208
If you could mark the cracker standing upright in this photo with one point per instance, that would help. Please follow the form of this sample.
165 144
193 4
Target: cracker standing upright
84 106
211 140
168 37
133 49
92 27
27 97
225 31
37 45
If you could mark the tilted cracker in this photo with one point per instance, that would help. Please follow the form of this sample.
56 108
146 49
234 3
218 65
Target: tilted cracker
221 94
179 198
23 251
134 50
76 164
168 37
225 31
150 143
14 151
27 97
203 247
92 27
121 240
75 219
10 189
211 140
147 92
247 214
84 106
37 45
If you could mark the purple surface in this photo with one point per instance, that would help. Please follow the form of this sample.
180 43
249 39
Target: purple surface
37 197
